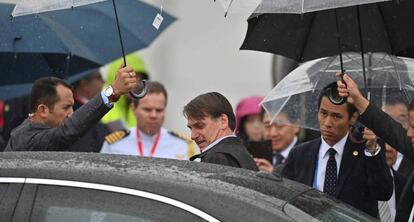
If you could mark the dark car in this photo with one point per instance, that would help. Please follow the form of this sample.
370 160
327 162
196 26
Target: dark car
61 187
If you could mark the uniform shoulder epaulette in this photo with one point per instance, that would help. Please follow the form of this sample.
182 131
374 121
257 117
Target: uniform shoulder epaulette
182 136
116 136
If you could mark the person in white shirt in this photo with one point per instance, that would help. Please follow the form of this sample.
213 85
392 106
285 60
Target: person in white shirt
149 138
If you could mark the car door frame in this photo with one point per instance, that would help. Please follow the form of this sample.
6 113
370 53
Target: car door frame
24 206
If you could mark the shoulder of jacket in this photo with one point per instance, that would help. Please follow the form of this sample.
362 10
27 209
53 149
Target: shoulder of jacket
181 135
116 136
299 147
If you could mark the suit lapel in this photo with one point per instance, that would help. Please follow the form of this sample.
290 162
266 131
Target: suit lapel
310 165
347 163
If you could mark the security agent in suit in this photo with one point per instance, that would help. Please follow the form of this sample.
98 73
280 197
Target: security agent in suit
354 173
211 120
52 124
397 109
399 205
382 124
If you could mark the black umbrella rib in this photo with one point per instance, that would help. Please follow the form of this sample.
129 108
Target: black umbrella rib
386 28
361 45
307 36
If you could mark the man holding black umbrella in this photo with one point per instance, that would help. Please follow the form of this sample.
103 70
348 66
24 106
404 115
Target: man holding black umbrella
382 124
52 125
376 119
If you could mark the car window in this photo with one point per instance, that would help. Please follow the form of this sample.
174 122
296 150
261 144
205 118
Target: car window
9 194
314 206
64 204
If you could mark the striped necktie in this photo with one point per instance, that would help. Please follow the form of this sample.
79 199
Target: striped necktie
384 211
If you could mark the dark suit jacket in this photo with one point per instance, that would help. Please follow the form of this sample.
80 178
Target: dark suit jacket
362 181
93 139
387 129
230 152
406 167
39 137
404 202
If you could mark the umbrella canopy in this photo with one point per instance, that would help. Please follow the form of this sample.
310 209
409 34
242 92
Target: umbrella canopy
26 7
66 42
389 78
304 6
239 6
386 27
287 6
88 31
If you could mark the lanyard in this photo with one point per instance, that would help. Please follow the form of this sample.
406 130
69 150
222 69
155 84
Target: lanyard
154 146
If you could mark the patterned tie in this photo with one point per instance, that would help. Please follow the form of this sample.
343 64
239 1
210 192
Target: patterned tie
384 211
278 158
329 185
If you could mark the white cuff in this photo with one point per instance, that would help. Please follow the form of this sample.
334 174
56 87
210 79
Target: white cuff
377 150
106 100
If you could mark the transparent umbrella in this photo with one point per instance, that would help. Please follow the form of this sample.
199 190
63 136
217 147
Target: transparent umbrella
288 6
239 6
26 7
388 78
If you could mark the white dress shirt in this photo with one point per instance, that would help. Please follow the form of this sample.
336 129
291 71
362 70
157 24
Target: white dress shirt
169 146
323 157
397 163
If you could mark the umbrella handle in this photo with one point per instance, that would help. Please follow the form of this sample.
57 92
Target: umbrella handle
356 133
334 97
333 94
139 95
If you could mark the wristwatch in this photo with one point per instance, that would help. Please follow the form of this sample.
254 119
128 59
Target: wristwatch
110 94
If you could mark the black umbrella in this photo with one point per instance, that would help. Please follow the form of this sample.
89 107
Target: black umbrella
385 27
380 27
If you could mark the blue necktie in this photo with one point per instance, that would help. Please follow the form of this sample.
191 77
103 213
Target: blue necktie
277 158
329 185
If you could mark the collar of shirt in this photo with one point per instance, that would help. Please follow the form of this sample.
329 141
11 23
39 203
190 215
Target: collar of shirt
398 161
285 152
339 148
146 137
215 142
